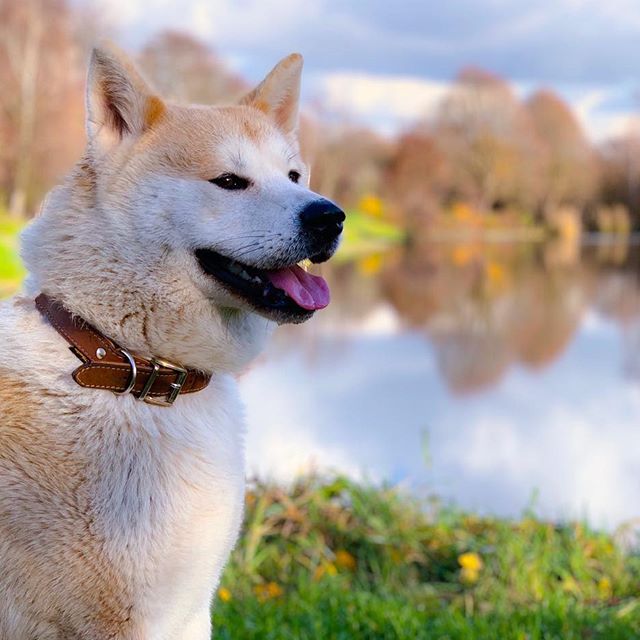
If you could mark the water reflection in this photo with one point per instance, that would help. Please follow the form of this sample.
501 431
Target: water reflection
480 372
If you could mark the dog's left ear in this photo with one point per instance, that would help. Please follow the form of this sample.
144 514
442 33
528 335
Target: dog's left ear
278 95
120 104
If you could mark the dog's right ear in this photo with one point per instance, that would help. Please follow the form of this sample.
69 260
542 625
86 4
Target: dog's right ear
119 102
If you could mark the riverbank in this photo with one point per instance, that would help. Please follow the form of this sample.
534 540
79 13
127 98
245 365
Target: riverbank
337 559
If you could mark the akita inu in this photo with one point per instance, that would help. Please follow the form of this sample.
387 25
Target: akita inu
159 269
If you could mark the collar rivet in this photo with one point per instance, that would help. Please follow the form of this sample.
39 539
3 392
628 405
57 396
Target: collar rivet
100 353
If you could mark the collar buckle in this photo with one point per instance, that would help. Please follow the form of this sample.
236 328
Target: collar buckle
176 386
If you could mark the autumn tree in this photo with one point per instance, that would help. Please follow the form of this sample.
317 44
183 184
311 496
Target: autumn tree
42 77
620 168
348 162
416 175
567 168
486 134
186 70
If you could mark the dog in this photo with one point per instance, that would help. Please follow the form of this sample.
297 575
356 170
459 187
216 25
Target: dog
158 269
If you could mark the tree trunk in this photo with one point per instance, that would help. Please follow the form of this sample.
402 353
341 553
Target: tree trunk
28 94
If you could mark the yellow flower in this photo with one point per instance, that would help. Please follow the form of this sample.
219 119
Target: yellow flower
496 274
370 265
464 214
462 255
471 564
274 589
344 560
224 594
326 568
605 588
371 205
469 575
268 591
470 561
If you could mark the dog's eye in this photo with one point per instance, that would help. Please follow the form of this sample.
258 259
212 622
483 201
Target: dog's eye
294 176
230 181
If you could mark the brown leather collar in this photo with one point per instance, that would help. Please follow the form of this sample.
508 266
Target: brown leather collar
108 366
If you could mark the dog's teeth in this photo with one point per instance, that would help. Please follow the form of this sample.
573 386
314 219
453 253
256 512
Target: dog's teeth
257 279
305 264
238 270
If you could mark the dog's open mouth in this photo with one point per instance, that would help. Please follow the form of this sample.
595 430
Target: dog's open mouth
291 291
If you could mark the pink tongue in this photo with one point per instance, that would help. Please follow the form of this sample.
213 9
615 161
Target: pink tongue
308 291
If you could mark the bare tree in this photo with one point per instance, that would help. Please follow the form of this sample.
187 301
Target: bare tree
568 169
349 162
620 168
40 72
417 176
187 70
486 134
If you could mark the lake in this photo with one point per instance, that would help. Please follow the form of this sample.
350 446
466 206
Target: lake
499 377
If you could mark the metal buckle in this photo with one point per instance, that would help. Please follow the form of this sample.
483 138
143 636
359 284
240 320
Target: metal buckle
176 387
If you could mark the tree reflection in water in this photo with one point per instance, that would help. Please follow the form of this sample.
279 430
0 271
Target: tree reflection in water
487 307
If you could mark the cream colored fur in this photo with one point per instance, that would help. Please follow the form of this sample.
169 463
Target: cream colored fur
117 517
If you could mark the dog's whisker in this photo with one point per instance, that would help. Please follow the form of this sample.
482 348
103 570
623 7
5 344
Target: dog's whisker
239 250
258 236
248 252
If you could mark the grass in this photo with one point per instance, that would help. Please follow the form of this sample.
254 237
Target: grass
342 613
337 559
365 234
11 269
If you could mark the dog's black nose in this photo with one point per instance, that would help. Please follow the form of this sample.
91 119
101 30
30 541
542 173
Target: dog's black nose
322 219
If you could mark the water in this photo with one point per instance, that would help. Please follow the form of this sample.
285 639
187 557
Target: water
498 377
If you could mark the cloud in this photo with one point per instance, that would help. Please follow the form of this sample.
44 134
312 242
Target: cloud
604 112
387 102
411 49
554 41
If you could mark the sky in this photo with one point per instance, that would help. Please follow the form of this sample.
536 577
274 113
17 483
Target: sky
387 63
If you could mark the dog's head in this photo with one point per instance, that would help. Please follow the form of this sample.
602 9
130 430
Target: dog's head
222 188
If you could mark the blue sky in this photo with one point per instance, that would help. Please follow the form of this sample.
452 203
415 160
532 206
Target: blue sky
388 62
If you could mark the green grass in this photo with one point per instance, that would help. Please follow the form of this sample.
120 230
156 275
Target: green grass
335 559
340 612
11 270
364 234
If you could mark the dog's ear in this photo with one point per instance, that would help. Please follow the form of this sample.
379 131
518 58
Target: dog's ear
278 94
119 102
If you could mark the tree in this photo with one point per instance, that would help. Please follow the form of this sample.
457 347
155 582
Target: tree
567 169
487 137
348 162
185 69
620 168
41 129
416 175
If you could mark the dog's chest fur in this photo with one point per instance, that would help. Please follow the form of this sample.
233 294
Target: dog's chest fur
115 516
